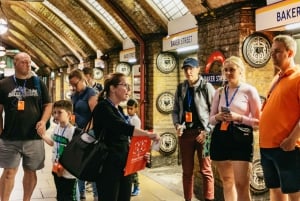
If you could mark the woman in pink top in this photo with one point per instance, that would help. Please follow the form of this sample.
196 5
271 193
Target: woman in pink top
235 103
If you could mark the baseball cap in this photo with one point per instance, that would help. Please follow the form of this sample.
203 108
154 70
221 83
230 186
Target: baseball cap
190 62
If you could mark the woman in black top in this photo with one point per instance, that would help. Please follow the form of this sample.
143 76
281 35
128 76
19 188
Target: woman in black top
112 183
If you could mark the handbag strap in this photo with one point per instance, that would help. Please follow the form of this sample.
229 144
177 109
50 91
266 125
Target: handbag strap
88 126
101 135
220 93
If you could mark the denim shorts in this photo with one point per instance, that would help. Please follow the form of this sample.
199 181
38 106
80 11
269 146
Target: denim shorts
32 153
281 169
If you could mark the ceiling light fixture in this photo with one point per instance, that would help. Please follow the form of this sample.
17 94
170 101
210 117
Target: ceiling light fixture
3 22
2 64
292 26
3 26
2 51
187 49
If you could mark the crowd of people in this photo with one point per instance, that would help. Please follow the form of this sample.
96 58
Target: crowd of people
22 138
199 111
236 105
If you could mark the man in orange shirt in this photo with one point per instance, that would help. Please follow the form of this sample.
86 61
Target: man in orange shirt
279 125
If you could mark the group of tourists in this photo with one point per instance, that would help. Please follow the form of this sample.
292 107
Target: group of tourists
27 106
224 120
221 120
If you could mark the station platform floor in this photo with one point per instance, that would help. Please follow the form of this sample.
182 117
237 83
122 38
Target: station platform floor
153 188
156 184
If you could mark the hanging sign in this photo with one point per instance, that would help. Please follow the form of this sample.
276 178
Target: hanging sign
214 79
279 14
183 39
127 55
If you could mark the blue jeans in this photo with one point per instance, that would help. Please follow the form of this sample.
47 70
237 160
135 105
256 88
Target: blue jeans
81 186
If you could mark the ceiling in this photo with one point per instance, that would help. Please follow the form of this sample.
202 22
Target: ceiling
58 33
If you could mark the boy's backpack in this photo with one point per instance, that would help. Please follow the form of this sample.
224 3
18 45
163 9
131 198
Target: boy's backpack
202 88
37 85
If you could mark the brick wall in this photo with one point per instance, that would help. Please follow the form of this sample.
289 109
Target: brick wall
157 83
227 34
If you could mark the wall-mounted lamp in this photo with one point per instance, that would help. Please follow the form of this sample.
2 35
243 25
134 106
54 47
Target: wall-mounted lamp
52 75
132 60
105 57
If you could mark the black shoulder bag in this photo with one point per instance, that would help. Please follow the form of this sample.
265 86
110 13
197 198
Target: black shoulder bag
85 155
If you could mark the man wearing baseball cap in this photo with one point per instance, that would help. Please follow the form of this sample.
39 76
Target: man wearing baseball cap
190 116
190 62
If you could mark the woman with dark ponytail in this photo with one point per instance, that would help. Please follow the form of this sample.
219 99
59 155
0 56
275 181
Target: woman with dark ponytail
108 115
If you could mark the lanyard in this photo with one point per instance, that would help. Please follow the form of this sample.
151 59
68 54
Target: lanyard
57 143
189 97
232 97
20 88
125 118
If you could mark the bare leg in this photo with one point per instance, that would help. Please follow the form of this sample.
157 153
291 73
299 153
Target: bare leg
241 171
226 174
294 196
7 182
277 195
29 183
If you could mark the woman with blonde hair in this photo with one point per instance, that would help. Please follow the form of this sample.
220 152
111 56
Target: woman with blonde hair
237 104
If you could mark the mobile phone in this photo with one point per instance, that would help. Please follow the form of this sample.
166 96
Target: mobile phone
225 109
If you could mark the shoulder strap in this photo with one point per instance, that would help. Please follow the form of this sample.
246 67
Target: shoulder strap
202 87
204 91
179 88
37 85
77 131
220 93
89 125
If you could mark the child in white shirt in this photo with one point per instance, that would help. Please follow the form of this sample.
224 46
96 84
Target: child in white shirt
134 120
65 183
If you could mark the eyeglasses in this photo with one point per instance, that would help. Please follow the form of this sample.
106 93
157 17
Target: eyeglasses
127 86
76 84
